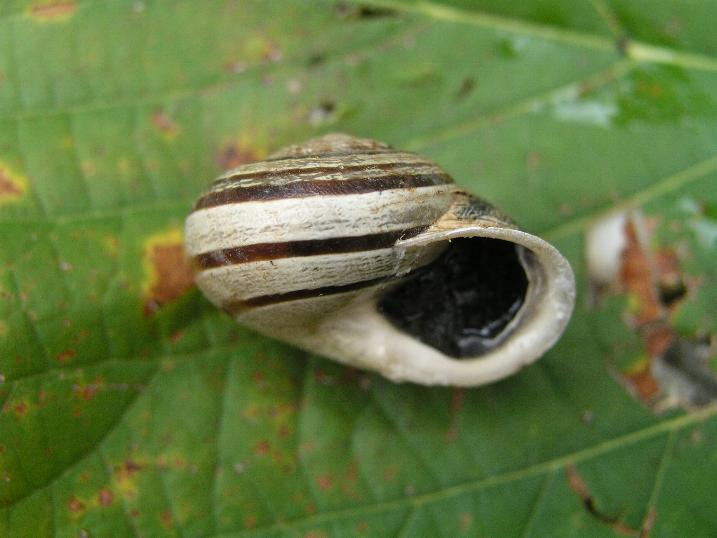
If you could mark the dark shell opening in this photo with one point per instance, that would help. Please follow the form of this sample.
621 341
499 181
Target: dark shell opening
461 302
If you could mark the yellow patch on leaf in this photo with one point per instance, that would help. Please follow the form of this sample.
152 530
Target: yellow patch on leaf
53 11
241 150
168 272
165 124
111 245
12 186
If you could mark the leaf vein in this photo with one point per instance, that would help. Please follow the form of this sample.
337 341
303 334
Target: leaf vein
659 188
549 466
539 499
82 457
633 49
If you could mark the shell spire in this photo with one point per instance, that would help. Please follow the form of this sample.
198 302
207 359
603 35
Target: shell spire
332 143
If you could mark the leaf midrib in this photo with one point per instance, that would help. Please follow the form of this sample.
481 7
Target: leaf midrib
635 50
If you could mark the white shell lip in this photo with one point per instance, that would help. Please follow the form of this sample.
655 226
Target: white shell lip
361 336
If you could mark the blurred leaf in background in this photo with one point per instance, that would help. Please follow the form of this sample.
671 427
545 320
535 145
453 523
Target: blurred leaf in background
130 406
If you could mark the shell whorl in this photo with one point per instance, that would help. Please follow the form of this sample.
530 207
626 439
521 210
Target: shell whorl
312 221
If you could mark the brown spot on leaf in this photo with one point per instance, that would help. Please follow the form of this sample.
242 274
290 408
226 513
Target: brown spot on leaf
127 469
86 391
53 11
20 409
65 356
105 497
349 490
75 505
124 477
456 406
131 467
466 522
323 377
262 448
166 518
467 86
324 482
169 272
236 154
251 413
12 187
176 336
8 187
89 168
272 52
249 522
236 66
533 159
362 527
350 10
390 473
164 124
352 472
259 379
279 458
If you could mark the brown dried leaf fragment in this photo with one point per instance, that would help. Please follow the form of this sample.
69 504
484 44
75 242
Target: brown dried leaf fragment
580 488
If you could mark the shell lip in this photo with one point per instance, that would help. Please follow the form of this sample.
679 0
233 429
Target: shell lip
542 320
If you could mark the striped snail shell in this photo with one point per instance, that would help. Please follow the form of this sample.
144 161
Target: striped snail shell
373 257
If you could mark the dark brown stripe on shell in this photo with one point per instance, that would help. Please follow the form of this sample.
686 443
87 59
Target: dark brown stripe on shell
306 189
237 307
310 247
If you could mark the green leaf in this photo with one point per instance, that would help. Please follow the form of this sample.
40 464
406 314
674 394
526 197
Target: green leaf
130 406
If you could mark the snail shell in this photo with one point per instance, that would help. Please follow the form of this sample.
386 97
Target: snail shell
374 257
